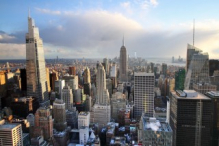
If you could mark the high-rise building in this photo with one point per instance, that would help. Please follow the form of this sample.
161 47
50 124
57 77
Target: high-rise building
143 94
53 77
48 80
67 97
164 69
35 65
190 118
102 114
83 119
106 66
83 135
197 67
71 80
59 115
154 132
214 95
44 123
123 66
213 65
11 135
59 85
86 75
180 79
2 84
72 70
72 118
23 79
102 92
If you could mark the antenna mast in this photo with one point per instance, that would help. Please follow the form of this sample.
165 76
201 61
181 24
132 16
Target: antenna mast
193 32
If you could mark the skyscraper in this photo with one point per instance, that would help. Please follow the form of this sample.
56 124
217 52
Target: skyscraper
197 67
123 68
102 92
59 115
44 122
190 118
67 97
106 66
180 79
11 135
86 75
143 94
35 65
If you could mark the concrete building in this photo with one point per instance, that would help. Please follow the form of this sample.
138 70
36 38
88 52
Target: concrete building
102 114
83 135
11 135
72 118
71 80
86 75
143 94
118 101
35 65
154 132
106 66
83 119
59 115
43 123
59 85
123 66
190 118
72 70
164 69
67 97
48 80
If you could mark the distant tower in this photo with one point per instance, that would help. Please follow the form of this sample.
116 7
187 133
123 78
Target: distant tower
87 75
123 62
35 65
102 92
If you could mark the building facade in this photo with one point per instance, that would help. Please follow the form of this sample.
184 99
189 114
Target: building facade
190 118
35 65
123 63
143 94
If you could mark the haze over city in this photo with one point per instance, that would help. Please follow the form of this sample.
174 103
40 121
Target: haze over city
94 29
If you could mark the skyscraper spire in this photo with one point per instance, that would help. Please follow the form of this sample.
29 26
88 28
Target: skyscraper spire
123 41
28 12
193 32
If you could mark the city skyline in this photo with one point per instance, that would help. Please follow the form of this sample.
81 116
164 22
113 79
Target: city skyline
148 26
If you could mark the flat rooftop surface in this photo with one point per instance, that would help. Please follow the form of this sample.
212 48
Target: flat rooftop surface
197 97
8 127
143 74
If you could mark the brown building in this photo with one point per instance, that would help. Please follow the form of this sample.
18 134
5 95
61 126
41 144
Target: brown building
53 77
2 84
72 70
43 123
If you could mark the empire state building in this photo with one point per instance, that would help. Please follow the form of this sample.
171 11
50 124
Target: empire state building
35 65
123 67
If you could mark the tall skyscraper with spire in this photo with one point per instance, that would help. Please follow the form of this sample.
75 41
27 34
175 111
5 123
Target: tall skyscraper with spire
123 62
102 92
35 65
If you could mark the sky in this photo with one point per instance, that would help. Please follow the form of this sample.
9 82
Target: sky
95 28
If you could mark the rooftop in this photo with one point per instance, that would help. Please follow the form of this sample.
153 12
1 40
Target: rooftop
213 94
152 124
83 113
8 127
189 94
143 74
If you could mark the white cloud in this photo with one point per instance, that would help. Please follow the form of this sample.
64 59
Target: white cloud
154 2
47 11
12 51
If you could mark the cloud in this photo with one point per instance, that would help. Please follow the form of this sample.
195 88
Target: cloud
12 51
47 11
98 34
145 4
154 2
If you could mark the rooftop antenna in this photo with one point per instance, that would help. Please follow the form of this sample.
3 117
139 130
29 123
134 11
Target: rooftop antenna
29 12
123 41
193 32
